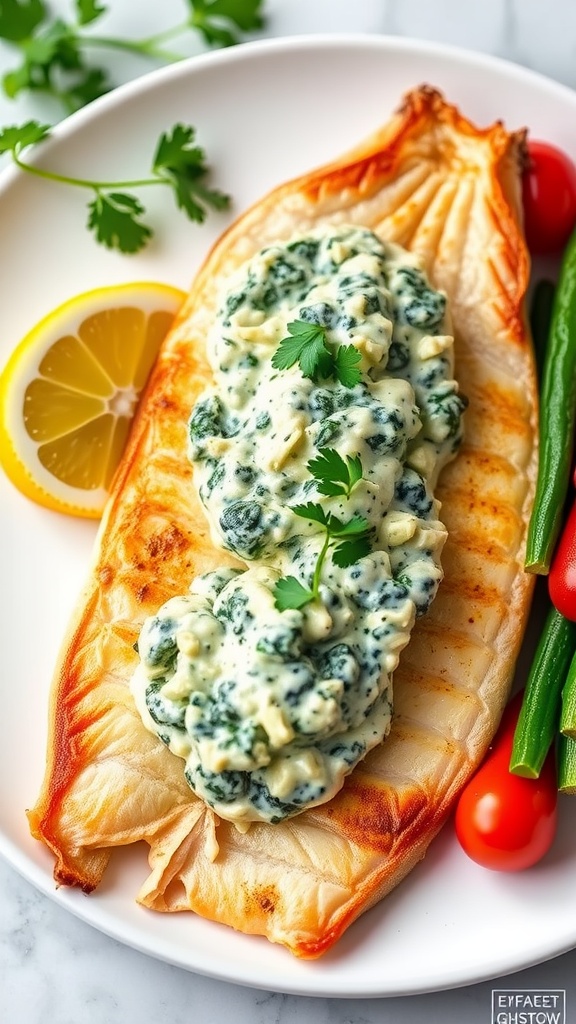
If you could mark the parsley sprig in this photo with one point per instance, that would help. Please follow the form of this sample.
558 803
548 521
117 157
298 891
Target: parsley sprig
114 215
53 50
319 359
348 539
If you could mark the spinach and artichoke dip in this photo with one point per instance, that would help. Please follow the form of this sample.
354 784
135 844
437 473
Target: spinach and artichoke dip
315 455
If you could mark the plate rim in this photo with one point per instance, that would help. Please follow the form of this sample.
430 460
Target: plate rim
244 51
22 862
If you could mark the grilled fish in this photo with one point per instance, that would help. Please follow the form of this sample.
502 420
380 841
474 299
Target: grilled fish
449 192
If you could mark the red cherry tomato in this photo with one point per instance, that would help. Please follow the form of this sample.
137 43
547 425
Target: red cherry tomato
505 822
562 575
549 197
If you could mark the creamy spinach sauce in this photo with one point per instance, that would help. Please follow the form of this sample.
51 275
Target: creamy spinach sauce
270 709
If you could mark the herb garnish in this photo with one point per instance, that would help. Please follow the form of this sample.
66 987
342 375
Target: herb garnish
319 359
53 49
333 474
114 215
349 539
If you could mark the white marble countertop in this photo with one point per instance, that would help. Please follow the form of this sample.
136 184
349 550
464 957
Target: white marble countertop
54 967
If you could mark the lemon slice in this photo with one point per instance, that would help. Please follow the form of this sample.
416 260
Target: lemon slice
70 389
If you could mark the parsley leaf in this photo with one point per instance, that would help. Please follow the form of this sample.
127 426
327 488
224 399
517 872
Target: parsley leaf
313 512
350 551
52 50
91 84
19 18
88 11
114 213
55 48
290 593
113 219
15 138
52 62
346 366
308 345
14 82
181 163
333 474
353 527
216 20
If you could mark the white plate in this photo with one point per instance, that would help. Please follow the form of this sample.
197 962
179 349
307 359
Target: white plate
264 112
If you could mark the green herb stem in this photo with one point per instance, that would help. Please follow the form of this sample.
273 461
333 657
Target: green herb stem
178 163
319 564
96 186
140 47
169 33
335 476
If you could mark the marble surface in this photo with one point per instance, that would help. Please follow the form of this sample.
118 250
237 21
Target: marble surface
54 967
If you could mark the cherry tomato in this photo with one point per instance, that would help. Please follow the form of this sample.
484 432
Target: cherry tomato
549 197
505 822
562 575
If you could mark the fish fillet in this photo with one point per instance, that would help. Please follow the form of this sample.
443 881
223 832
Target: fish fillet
449 191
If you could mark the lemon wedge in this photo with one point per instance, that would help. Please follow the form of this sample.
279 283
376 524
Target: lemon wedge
69 391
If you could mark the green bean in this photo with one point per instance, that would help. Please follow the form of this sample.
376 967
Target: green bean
539 716
540 318
568 713
566 765
557 420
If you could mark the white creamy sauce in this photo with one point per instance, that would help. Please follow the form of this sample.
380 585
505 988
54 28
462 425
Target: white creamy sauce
270 709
